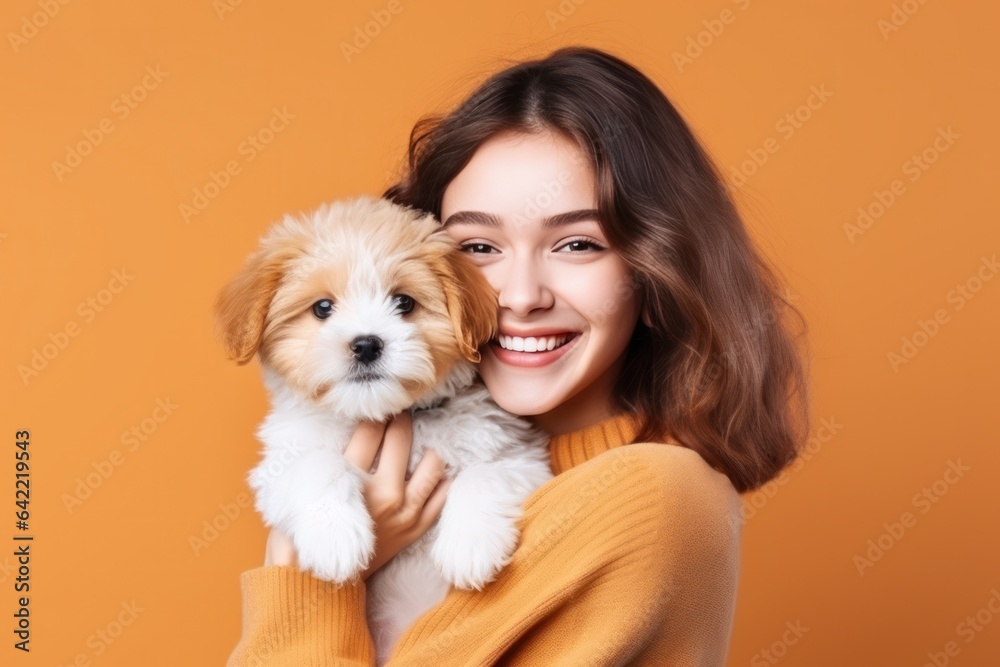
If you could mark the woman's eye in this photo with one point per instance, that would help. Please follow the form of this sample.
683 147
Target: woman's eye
404 303
323 308
576 245
477 247
582 245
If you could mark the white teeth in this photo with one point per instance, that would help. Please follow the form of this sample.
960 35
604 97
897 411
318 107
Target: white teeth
531 343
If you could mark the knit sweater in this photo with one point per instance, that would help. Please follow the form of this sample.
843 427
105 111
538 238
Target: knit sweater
628 556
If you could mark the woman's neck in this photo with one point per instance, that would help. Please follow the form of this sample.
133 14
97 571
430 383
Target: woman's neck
587 407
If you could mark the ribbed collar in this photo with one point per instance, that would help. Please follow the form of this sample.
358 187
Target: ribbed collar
573 448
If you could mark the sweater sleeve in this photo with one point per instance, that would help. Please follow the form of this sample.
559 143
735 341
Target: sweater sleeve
628 558
292 618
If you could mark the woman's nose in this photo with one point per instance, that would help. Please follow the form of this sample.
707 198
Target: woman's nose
524 288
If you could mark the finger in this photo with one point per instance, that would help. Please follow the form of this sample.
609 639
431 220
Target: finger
434 505
364 444
279 549
395 457
428 472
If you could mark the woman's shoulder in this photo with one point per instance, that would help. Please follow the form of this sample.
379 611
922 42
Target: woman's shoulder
682 467
684 474
653 503
690 494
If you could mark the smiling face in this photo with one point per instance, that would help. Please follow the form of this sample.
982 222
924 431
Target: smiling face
524 209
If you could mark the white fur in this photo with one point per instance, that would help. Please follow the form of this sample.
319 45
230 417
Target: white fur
304 485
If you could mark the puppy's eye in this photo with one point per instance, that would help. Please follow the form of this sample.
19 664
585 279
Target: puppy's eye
404 303
323 309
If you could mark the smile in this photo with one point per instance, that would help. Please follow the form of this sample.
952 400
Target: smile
532 351
532 344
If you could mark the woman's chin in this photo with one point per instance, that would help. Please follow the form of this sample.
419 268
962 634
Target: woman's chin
526 391
523 397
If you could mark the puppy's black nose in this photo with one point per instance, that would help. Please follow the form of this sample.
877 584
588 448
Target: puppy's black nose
367 348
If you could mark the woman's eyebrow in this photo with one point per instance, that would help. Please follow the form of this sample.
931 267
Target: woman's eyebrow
491 220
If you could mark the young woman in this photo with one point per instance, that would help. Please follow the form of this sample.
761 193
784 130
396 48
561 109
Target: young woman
640 327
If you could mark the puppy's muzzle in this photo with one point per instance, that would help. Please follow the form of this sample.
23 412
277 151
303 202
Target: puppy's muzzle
367 349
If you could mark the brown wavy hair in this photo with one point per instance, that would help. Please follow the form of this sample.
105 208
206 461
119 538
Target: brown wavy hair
713 361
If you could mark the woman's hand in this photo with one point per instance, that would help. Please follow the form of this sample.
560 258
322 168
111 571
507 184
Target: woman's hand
402 509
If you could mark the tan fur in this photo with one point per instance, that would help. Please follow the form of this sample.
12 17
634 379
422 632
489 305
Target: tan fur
472 303
241 308
266 308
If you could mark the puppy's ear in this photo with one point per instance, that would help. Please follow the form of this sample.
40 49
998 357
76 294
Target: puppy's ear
241 307
472 304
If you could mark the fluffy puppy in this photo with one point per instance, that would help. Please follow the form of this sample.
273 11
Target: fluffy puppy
360 310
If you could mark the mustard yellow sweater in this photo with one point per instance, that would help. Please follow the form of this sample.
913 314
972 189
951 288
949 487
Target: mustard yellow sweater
629 556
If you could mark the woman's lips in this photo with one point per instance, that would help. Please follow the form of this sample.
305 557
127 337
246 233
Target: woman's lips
532 359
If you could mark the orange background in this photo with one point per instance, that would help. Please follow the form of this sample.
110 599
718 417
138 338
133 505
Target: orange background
222 74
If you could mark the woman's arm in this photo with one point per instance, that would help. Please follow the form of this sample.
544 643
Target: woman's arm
629 558
291 617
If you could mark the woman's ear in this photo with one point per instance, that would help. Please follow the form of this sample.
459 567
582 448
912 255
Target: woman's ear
472 305
241 306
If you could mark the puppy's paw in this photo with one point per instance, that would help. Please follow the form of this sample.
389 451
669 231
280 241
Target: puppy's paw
335 540
470 556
